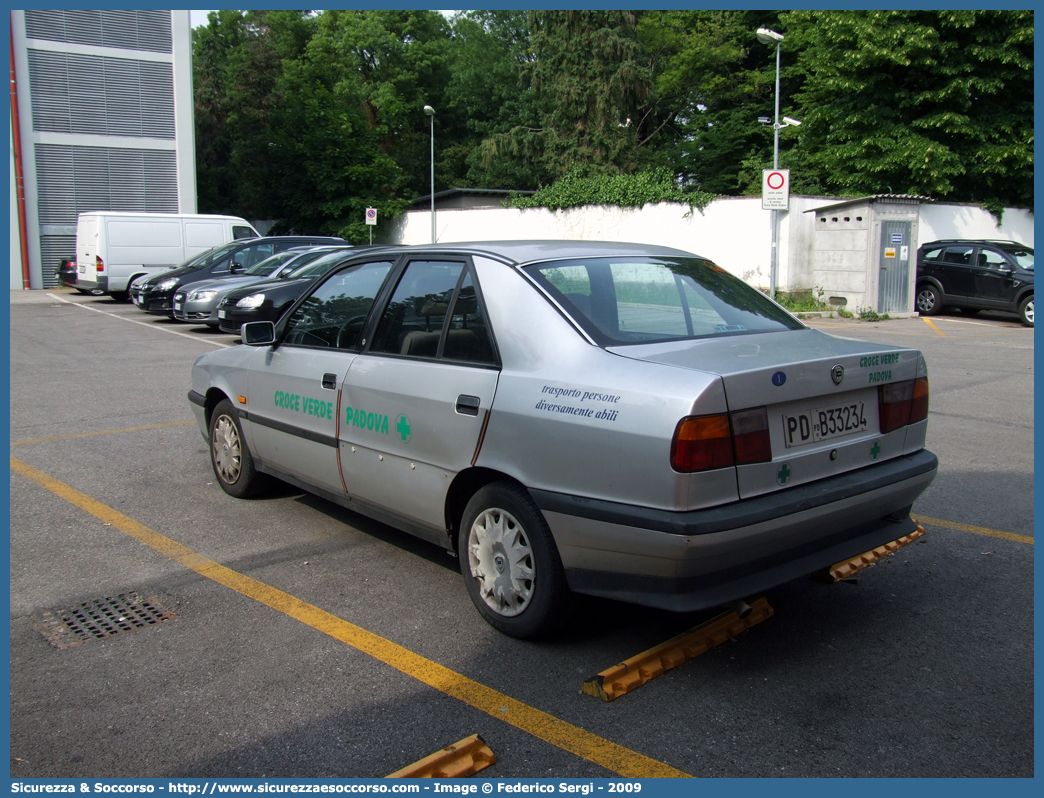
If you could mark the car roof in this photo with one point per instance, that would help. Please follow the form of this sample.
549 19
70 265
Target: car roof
520 252
996 242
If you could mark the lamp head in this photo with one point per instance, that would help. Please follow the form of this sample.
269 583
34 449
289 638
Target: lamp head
766 36
429 111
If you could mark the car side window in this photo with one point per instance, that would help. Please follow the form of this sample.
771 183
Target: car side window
933 254
467 338
238 232
960 255
413 320
991 259
334 314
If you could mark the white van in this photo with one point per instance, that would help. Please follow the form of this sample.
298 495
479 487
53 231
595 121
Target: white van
114 248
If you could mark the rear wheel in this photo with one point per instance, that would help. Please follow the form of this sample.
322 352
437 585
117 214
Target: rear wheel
1026 311
929 301
120 296
510 563
229 454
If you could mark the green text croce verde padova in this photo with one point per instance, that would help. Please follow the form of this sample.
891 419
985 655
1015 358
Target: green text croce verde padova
304 404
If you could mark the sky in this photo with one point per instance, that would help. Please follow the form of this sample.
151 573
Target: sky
197 18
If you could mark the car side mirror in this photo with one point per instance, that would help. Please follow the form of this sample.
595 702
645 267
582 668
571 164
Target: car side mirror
236 268
258 333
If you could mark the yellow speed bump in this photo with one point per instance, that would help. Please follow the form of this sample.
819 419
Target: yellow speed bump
634 672
843 570
463 758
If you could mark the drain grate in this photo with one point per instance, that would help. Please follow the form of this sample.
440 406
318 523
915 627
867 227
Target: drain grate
101 618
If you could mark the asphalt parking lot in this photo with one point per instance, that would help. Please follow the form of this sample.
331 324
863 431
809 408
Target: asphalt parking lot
307 641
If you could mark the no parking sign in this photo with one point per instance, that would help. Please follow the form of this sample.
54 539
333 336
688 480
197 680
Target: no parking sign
775 189
371 216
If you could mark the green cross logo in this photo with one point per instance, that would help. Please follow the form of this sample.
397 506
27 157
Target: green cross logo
403 426
875 450
783 474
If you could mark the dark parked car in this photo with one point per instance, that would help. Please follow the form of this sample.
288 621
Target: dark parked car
156 294
66 275
268 301
975 275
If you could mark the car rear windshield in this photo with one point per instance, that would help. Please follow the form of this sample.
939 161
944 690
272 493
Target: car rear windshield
630 300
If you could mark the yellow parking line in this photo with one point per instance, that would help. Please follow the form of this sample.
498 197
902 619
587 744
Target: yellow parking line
975 530
106 432
931 324
540 724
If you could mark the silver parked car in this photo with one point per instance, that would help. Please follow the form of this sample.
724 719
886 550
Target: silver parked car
619 420
198 302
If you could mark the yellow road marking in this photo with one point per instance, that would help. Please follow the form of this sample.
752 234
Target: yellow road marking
931 324
540 724
106 432
975 530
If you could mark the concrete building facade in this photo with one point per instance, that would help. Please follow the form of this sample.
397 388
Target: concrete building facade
104 109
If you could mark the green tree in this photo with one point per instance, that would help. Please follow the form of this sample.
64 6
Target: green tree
924 102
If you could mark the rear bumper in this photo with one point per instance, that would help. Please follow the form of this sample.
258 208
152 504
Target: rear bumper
687 561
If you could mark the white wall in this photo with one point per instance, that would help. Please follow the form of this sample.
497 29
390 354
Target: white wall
734 232
971 221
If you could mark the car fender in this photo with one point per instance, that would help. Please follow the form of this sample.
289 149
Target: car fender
933 282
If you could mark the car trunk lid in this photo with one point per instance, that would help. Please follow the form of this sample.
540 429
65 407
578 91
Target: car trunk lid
820 393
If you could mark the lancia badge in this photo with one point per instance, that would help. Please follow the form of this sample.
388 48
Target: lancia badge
837 373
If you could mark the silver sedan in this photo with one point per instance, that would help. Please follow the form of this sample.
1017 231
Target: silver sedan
198 302
569 417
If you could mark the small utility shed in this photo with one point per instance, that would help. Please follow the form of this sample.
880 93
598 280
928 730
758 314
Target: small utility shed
865 252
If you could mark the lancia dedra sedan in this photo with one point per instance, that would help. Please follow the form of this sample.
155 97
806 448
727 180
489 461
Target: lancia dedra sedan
620 420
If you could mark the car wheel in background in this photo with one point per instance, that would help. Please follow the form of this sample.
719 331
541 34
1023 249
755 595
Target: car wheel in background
120 296
510 563
229 454
929 302
1026 311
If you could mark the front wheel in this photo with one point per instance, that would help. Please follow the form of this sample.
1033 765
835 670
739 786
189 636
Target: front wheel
929 302
229 454
510 563
1026 311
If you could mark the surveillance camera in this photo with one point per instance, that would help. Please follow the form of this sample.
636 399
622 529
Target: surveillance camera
764 120
790 121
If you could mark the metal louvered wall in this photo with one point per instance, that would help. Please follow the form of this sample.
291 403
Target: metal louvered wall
52 250
71 180
128 30
75 93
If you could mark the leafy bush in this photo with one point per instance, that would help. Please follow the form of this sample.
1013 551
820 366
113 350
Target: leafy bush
624 191
803 301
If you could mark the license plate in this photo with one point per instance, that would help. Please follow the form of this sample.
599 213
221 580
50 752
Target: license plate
221 314
821 424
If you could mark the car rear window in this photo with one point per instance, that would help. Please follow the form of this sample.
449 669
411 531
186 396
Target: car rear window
632 300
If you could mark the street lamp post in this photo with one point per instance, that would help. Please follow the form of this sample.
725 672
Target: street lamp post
766 36
431 115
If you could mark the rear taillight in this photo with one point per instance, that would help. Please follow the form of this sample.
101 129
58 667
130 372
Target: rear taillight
902 403
919 408
750 436
702 443
99 264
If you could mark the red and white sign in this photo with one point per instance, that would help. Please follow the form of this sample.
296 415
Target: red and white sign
775 189
371 216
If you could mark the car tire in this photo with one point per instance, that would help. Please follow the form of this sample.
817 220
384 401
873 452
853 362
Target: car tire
120 296
229 454
504 534
1026 311
929 300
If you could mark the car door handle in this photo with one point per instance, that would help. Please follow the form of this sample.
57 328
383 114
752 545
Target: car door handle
330 381
468 405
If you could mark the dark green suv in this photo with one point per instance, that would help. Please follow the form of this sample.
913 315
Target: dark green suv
975 275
